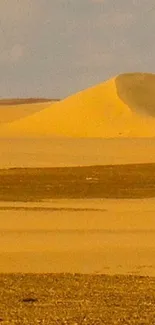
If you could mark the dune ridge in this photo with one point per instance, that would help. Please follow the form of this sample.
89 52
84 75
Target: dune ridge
120 107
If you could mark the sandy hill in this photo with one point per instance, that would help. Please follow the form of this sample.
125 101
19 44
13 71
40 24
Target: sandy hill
14 109
121 107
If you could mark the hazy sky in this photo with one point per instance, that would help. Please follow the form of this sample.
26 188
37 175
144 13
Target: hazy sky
52 48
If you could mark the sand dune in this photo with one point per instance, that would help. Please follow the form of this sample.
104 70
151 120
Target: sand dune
120 107
14 109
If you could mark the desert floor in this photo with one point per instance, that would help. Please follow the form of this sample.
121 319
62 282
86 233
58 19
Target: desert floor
77 243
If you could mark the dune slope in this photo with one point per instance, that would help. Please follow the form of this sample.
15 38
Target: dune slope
120 107
138 92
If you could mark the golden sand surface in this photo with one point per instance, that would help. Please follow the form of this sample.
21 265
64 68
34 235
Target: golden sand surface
73 299
43 152
120 107
85 236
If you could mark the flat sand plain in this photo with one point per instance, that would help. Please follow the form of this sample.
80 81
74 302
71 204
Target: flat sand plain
85 236
61 152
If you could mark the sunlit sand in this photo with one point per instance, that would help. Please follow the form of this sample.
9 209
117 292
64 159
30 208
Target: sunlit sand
86 236
65 152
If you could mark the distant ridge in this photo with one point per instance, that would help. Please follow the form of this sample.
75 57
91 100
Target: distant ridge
120 107
14 109
19 101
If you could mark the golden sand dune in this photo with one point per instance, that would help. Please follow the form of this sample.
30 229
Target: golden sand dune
14 109
121 107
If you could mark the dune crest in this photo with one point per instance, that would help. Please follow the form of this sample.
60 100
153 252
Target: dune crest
121 107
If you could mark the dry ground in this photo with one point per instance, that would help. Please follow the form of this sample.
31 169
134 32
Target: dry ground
115 181
76 299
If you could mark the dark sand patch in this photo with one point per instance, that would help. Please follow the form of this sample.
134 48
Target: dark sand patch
115 181
76 299
19 101
51 209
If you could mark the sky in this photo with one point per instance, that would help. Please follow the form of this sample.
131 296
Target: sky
54 48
